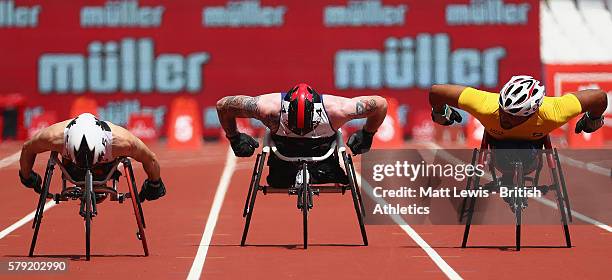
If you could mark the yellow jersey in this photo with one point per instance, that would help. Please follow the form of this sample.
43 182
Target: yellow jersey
553 113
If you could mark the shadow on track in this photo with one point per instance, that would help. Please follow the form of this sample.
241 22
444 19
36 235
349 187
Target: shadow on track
288 246
71 257
500 248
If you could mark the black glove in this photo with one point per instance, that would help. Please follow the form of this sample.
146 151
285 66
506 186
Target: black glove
33 181
587 124
152 190
360 142
447 117
243 145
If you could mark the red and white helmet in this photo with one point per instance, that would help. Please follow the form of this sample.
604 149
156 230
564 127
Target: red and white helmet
521 96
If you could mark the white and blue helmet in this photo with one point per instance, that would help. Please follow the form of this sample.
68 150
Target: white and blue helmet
85 141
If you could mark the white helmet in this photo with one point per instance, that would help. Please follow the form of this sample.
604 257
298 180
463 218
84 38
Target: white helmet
85 140
521 96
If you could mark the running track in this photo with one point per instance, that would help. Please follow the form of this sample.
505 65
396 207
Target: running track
176 225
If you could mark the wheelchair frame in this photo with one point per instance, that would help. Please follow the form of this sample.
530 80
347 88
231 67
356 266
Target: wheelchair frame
86 191
519 180
302 188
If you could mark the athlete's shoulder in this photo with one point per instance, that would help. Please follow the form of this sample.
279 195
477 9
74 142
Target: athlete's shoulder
475 91
478 102
560 108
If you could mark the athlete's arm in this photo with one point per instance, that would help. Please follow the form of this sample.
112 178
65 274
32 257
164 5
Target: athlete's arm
125 144
47 139
440 95
373 108
441 99
265 108
593 101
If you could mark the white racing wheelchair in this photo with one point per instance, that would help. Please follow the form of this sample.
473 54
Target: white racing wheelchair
87 188
303 188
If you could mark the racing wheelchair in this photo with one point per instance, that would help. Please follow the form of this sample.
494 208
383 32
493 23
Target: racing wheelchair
520 179
88 187
303 189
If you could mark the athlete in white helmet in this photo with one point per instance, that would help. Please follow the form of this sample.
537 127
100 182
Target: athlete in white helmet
87 142
519 117
521 111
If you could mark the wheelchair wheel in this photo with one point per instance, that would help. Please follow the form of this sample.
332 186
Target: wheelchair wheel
518 181
357 201
88 212
40 208
135 191
305 202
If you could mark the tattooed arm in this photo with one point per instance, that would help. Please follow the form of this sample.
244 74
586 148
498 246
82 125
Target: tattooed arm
373 108
265 108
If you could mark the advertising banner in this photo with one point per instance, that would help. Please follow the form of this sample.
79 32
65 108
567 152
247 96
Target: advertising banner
562 79
134 56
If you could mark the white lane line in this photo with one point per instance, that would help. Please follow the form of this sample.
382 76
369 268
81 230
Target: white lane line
198 263
25 220
4 163
543 200
10 159
579 216
431 252
587 166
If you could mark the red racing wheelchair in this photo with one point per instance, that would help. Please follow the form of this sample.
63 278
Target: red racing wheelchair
88 188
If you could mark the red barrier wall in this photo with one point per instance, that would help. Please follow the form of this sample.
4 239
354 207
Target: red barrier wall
139 55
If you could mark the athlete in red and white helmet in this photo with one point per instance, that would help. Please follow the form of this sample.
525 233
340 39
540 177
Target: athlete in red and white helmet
302 122
87 142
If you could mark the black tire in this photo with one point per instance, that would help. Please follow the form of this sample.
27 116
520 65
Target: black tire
87 235
467 187
357 187
568 208
357 202
519 182
471 203
251 200
254 176
305 203
40 208
88 213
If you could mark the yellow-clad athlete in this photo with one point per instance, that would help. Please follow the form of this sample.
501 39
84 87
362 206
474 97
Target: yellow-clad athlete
518 117
521 111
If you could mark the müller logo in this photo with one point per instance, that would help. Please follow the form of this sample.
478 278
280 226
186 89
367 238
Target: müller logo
121 14
417 62
18 16
128 66
247 13
364 13
481 12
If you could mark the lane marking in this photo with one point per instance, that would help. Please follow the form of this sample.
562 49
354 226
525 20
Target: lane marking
587 166
25 220
578 215
10 159
4 163
431 252
543 200
198 263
